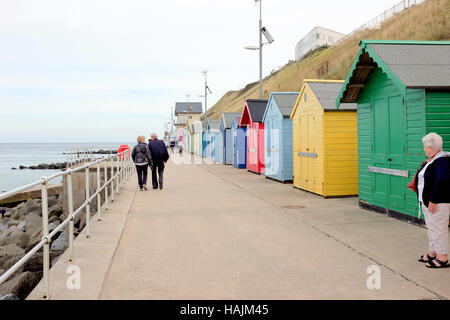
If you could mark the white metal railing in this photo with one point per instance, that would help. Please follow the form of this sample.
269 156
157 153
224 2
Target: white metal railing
124 168
376 22
82 155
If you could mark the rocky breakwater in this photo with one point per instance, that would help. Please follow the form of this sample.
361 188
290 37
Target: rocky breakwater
42 166
20 231
101 151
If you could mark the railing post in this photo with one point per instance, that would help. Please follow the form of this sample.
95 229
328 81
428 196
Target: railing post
71 222
106 185
118 173
122 178
99 194
46 251
88 205
112 179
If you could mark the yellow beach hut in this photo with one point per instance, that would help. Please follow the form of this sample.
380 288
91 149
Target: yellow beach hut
325 143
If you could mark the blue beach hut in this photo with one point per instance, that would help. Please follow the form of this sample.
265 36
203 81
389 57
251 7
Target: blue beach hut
278 136
214 141
204 138
239 144
227 135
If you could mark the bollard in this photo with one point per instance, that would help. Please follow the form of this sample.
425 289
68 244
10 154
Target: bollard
99 194
71 222
88 205
106 185
46 253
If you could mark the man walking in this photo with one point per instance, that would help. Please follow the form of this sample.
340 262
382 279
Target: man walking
160 156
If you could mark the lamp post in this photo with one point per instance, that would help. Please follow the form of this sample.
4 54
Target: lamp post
207 90
262 31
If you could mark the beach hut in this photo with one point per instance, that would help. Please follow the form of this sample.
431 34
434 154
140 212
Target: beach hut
227 135
215 146
192 141
204 138
402 89
239 144
252 118
324 141
278 136
198 138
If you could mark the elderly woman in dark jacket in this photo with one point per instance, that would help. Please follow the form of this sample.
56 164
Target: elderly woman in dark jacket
432 185
142 159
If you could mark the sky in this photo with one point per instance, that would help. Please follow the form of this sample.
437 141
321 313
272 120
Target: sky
109 70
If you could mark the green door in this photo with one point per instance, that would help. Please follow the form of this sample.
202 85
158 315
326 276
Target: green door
389 152
380 151
396 157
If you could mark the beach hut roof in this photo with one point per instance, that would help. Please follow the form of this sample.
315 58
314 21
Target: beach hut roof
327 92
188 107
285 102
214 124
253 111
409 64
227 118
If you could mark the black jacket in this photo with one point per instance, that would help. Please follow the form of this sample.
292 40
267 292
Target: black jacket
437 181
158 150
141 154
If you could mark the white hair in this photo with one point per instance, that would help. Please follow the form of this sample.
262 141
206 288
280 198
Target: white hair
154 135
433 140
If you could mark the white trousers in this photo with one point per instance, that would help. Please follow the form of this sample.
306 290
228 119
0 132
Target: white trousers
437 224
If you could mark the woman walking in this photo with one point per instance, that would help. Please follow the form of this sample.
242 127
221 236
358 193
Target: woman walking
432 185
142 159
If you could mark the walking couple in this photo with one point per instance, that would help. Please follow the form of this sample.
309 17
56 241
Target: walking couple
153 155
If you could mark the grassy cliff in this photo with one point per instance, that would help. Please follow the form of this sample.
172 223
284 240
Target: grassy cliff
427 21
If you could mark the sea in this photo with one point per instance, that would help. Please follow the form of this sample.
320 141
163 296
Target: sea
12 155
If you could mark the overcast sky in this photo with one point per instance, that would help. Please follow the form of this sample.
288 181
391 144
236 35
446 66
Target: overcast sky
108 70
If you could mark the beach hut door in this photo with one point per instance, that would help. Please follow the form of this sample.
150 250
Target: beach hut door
389 152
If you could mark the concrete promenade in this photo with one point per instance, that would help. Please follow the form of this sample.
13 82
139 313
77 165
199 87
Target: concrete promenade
216 232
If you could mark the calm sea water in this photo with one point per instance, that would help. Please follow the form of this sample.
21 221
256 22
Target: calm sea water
29 154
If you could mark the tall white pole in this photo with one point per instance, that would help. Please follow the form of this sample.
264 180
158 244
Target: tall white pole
260 51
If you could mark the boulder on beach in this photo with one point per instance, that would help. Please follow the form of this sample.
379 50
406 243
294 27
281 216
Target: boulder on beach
61 243
9 297
33 223
20 285
55 210
8 252
15 237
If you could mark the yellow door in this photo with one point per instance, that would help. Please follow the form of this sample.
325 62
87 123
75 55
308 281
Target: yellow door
304 170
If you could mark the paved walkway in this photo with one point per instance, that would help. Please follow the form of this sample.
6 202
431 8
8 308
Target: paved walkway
216 232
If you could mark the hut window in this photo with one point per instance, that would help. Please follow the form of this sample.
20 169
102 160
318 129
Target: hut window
318 35
306 97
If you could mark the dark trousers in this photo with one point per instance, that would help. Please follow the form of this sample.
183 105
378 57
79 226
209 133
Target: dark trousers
142 175
158 166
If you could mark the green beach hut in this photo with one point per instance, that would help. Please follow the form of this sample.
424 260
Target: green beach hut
402 89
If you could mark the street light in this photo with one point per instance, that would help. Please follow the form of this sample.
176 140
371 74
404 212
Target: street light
207 90
268 36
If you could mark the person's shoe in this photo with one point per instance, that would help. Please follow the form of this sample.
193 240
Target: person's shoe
160 186
140 189
145 187
155 187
